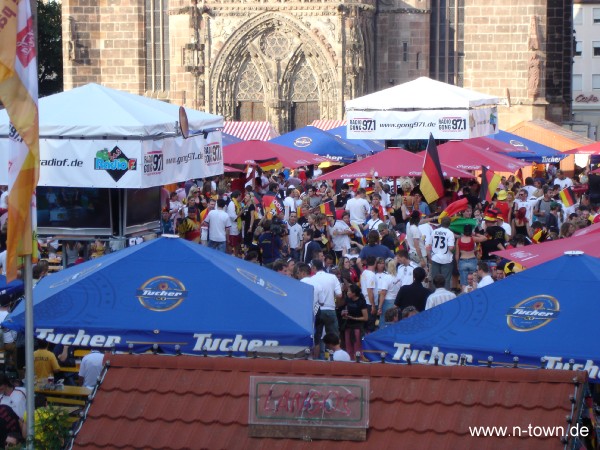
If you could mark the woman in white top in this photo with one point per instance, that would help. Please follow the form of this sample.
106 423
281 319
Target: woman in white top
393 286
373 222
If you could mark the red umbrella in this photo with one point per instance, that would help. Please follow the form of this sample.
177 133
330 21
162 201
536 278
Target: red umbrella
465 156
229 169
593 228
393 162
249 152
590 149
532 255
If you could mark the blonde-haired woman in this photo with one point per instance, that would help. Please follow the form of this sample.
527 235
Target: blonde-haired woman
393 286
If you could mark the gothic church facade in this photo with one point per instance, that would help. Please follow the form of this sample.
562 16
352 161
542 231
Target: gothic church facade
291 62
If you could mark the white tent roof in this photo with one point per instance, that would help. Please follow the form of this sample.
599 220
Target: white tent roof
96 111
422 93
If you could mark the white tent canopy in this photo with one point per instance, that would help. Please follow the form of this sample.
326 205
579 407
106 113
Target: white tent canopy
413 110
91 130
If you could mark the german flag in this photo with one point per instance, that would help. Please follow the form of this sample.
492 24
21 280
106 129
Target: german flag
272 206
454 208
432 178
270 164
203 214
567 196
327 209
299 211
489 183
519 176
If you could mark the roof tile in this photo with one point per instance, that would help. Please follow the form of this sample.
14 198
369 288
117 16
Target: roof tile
187 402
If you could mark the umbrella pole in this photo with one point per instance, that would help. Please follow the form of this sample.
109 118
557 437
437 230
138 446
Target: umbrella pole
29 370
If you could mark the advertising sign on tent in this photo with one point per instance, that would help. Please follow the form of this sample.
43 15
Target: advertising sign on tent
152 294
94 136
416 109
542 317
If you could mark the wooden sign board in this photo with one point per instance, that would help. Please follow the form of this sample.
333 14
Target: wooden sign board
308 408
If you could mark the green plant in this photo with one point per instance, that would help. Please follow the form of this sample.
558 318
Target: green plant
51 427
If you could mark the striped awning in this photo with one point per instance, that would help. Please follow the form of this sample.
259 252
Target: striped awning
260 131
327 124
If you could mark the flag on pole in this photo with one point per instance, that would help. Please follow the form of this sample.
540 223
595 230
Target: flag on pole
432 178
489 183
19 94
567 196
519 176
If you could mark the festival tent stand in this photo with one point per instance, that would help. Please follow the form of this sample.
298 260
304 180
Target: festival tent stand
547 312
173 293
318 142
94 136
421 107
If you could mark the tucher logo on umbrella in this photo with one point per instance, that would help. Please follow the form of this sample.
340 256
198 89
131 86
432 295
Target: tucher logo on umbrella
161 293
114 162
533 313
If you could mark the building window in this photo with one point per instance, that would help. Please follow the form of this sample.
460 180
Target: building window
577 82
304 96
577 15
578 48
158 71
596 15
596 46
596 82
405 51
250 94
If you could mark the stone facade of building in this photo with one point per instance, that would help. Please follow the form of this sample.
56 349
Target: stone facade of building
290 62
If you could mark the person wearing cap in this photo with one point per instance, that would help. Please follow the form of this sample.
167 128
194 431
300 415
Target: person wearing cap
496 236
502 205
440 251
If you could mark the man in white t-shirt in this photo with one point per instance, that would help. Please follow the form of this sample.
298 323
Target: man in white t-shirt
90 369
234 211
294 236
523 201
562 180
219 224
368 286
358 207
405 268
332 344
483 272
440 251
289 204
328 291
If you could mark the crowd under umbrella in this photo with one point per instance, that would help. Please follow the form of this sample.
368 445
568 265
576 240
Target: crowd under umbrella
254 152
464 156
393 162
313 140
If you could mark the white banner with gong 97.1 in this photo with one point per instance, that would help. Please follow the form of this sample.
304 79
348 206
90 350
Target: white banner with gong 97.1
442 124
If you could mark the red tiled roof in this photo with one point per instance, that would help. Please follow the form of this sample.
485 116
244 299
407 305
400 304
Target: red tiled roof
177 402
327 124
247 131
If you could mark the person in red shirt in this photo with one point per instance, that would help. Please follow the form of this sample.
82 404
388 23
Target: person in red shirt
503 206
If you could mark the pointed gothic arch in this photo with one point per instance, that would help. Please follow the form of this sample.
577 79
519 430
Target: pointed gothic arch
275 42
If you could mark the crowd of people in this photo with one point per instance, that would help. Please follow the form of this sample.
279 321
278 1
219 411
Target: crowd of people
375 253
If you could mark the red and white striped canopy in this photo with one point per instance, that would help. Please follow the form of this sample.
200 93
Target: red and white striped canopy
247 131
327 124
